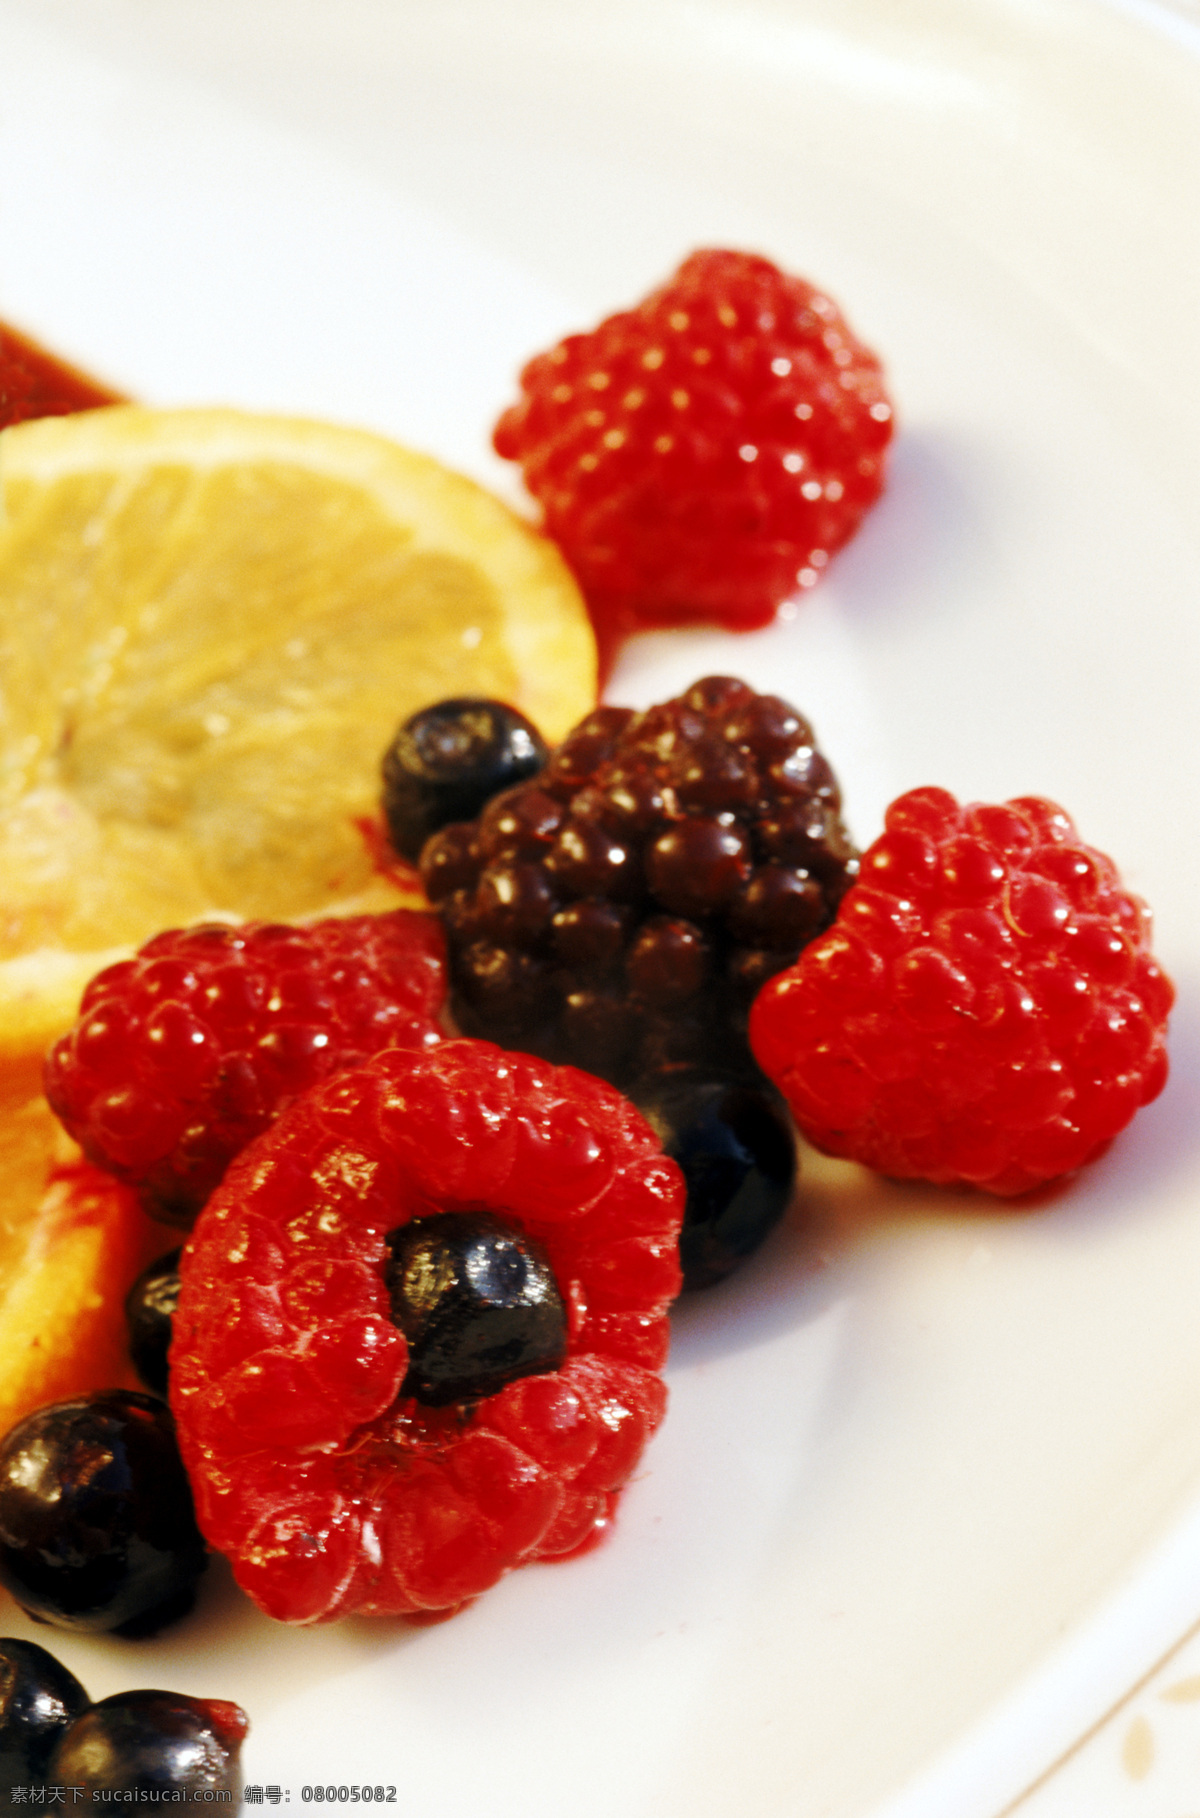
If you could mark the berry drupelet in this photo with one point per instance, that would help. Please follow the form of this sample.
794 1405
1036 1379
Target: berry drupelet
183 1054
700 457
420 1331
986 1009
97 1529
447 761
620 910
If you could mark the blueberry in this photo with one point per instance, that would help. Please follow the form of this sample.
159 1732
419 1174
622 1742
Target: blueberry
448 761
733 1141
39 1700
97 1529
154 1742
149 1308
478 1304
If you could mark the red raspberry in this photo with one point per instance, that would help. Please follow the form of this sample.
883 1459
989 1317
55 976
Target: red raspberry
329 1487
699 457
183 1054
985 1009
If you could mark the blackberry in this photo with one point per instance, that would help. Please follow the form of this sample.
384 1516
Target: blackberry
448 760
620 910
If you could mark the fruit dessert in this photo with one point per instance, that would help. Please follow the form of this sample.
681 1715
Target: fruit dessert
163 1746
702 456
620 909
416 1335
420 1331
986 1009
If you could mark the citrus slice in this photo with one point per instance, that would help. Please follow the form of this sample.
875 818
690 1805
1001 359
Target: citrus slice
72 1242
211 624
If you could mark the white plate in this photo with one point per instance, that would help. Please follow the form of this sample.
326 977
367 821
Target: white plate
928 1498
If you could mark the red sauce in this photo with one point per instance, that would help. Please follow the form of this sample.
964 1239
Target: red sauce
33 383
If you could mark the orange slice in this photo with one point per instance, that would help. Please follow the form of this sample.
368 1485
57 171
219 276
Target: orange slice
72 1241
211 624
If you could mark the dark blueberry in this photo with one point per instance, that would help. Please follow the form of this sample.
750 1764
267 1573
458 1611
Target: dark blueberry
154 1742
97 1529
39 1699
478 1304
734 1143
149 1309
447 761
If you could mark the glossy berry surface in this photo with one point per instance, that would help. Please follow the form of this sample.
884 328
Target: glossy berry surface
330 1488
149 1312
148 1742
620 911
986 1009
183 1054
701 457
477 1303
39 1700
447 761
97 1529
733 1142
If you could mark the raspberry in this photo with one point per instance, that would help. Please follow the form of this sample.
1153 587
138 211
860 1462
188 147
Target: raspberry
986 1009
699 457
332 1489
620 910
183 1054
